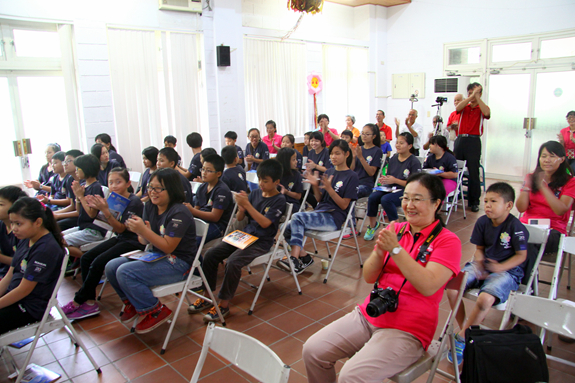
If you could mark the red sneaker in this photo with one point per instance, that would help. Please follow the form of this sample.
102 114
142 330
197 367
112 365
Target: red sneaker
154 320
128 314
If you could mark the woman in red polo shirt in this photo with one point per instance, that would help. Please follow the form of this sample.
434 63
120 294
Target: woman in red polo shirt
567 138
380 345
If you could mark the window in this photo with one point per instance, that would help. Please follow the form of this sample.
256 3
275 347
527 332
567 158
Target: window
30 43
462 56
557 48
511 52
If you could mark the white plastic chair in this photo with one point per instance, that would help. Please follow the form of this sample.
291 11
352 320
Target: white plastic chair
537 235
195 186
215 242
53 319
566 245
557 316
361 204
245 352
106 191
437 350
306 189
267 260
252 177
329 236
184 286
135 178
454 195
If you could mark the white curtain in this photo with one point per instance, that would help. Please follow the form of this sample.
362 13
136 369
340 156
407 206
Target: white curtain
345 85
275 85
156 90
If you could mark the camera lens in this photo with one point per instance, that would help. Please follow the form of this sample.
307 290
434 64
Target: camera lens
376 308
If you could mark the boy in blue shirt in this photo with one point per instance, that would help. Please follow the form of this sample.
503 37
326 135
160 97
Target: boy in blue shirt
67 217
230 139
499 260
57 198
263 209
234 175
385 146
194 141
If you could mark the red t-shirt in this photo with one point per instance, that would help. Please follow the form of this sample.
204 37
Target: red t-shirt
417 314
328 138
471 121
454 116
539 208
567 143
387 130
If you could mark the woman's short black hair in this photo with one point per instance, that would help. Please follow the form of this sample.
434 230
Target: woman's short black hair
290 137
343 145
229 154
151 153
375 132
55 147
216 161
319 118
317 135
272 123
562 174
409 139
89 163
570 113
106 139
256 129
171 181
97 150
12 193
440 141
270 168
170 154
434 186
284 158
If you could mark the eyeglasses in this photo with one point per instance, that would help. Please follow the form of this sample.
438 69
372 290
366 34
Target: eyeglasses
67 162
254 137
366 134
155 190
204 170
414 201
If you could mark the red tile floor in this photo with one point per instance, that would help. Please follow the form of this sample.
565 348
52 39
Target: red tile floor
282 319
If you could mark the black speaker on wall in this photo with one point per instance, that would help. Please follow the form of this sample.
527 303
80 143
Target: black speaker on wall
223 53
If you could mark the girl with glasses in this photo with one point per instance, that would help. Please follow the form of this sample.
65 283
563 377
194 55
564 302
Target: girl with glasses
367 159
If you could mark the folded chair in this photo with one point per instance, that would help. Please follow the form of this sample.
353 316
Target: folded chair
437 350
192 281
566 248
247 353
454 195
329 236
53 319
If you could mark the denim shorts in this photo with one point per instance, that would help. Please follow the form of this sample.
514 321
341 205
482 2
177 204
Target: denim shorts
498 285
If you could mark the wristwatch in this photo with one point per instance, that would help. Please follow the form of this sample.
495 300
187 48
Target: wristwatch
396 250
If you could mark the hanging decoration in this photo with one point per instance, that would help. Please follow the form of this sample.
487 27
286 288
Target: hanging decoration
314 86
306 6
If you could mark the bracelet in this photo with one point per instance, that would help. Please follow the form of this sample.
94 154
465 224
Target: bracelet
525 189
108 217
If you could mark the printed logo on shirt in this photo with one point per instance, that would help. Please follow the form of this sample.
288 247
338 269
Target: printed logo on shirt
221 198
210 203
505 240
241 176
266 210
162 230
23 265
320 163
441 168
338 185
368 159
290 185
278 212
520 235
406 173
257 155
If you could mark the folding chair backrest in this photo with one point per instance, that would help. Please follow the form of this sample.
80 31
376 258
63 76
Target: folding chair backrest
307 190
201 231
245 352
106 191
54 297
537 236
421 160
135 179
195 186
555 316
349 217
458 283
252 177
233 223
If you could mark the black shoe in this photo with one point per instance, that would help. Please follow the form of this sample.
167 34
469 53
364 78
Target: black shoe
475 208
303 263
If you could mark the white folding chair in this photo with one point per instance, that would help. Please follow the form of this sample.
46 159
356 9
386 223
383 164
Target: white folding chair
557 316
135 178
106 191
231 222
329 236
421 160
184 286
566 245
306 189
195 186
454 195
361 204
53 319
537 235
437 350
244 352
267 260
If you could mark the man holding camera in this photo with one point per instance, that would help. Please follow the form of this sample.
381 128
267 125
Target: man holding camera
473 111
412 127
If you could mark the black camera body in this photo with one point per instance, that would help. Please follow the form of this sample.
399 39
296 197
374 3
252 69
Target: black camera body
381 301
441 100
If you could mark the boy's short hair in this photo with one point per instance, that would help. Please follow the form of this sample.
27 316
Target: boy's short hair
170 154
74 153
216 161
229 154
322 116
171 140
505 190
61 156
208 152
89 163
270 168
231 135
347 133
194 140
473 85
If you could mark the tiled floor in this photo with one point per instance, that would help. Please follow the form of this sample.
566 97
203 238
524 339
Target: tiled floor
282 319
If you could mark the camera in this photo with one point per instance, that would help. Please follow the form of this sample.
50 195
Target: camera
381 301
441 100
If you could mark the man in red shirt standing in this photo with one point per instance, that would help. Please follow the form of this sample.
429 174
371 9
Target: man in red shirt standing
473 111
453 120
379 116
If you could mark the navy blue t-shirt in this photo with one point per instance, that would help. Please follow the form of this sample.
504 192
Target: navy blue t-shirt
235 178
305 151
447 162
272 208
45 175
143 187
373 158
503 241
187 188
240 155
321 159
40 263
220 197
103 174
84 220
402 170
57 188
195 166
176 222
68 187
293 183
299 159
117 157
261 152
135 207
345 184
8 243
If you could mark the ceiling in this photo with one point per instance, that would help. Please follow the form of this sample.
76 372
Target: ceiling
385 3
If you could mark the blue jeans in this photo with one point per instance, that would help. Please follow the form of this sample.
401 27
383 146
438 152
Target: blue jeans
389 201
300 222
364 191
498 285
213 233
133 279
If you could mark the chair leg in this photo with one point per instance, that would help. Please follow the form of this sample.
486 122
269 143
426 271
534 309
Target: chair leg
211 294
102 289
29 356
174 318
357 248
569 273
264 278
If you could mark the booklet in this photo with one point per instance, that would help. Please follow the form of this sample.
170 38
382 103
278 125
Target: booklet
37 374
240 239
117 204
22 343
145 256
432 171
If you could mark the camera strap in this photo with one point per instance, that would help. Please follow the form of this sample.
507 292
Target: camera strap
421 256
